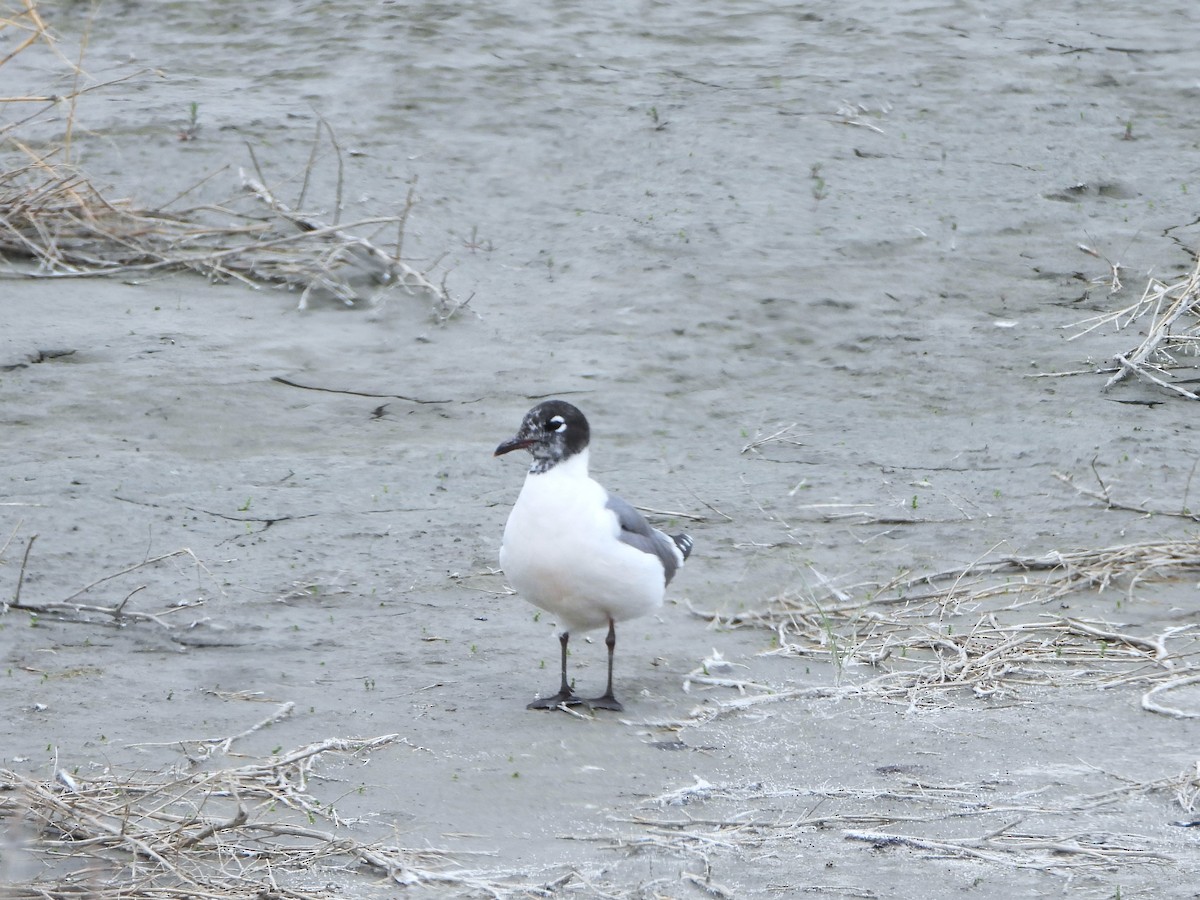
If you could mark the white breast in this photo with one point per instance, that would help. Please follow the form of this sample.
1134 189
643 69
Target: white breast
562 553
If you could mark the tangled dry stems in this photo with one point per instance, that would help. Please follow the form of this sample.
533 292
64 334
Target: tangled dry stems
53 215
1024 830
252 830
933 635
80 607
991 630
1172 338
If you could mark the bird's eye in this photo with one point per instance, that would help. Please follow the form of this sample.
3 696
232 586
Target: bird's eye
558 424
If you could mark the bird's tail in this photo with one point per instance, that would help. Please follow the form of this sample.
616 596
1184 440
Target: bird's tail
684 543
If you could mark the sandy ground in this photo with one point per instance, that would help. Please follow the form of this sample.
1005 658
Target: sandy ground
704 224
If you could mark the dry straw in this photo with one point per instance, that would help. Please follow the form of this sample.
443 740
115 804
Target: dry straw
53 215
761 818
1171 341
202 829
248 831
990 629
1039 829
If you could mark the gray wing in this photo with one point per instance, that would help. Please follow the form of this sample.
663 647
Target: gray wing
637 532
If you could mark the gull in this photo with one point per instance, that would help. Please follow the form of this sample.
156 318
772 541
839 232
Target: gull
575 550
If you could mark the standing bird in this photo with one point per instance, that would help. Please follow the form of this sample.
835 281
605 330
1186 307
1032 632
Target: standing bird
575 550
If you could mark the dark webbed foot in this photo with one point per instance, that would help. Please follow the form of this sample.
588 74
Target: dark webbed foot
608 701
567 697
562 698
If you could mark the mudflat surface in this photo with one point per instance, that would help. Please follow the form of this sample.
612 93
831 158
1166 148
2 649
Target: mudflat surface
799 267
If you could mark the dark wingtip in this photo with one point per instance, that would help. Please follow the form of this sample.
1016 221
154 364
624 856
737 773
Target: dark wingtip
684 543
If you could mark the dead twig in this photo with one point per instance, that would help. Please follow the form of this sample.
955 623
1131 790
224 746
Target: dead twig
117 613
1104 495
1172 339
1023 851
1150 704
222 833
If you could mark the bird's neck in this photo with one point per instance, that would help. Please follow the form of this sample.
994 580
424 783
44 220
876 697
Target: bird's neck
574 466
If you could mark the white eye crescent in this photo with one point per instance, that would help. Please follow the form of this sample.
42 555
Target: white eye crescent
559 424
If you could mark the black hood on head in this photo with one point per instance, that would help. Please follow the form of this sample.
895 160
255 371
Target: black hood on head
552 431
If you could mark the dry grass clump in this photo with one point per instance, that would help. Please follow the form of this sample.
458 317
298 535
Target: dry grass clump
53 215
1041 829
1172 339
990 628
248 831
203 829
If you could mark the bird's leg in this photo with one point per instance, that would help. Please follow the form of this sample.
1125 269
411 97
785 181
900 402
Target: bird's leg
565 694
608 701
